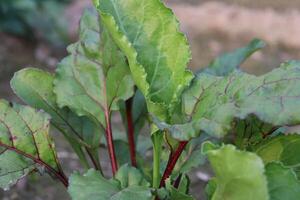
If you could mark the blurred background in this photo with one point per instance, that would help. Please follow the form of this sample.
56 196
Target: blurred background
36 32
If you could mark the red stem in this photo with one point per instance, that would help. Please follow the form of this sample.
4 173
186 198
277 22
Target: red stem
177 181
130 132
59 174
110 144
172 162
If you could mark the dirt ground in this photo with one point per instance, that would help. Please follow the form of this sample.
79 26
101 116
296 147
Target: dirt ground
212 27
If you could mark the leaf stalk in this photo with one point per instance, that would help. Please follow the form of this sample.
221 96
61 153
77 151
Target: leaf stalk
130 132
110 144
58 174
172 162
157 146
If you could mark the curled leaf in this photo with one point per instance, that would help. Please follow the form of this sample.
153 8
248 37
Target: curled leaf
228 62
239 174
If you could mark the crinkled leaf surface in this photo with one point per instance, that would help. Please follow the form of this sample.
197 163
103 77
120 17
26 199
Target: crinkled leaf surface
228 62
128 185
239 174
282 182
281 148
94 77
24 141
216 104
148 33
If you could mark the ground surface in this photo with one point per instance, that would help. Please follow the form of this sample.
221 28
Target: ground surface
212 27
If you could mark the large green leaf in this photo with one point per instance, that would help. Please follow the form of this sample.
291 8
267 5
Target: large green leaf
239 174
216 104
128 185
281 148
94 77
24 143
35 87
228 62
148 33
282 182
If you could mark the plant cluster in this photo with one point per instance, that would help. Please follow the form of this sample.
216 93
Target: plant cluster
34 19
132 59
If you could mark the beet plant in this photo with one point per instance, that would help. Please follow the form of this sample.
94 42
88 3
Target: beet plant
131 59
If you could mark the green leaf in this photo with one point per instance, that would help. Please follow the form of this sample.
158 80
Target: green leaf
181 192
93 186
281 148
228 62
94 77
192 159
211 188
139 112
216 104
239 174
251 130
130 176
25 143
156 51
282 182
13 167
35 87
170 192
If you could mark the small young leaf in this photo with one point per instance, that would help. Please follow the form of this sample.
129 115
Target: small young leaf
251 131
210 188
179 193
282 182
239 174
130 176
281 148
156 51
93 185
94 77
24 131
228 62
